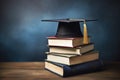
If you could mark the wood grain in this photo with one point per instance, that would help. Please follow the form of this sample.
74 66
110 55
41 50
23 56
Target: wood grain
36 71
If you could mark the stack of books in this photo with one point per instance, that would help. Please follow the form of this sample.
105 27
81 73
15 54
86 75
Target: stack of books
69 56
70 53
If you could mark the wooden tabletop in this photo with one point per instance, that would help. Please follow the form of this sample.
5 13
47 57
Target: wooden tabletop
36 71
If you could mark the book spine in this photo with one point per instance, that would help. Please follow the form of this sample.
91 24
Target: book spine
87 67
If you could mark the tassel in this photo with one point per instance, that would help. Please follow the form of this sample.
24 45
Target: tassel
85 35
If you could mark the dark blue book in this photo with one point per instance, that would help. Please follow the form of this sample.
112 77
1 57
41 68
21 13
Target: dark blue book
65 70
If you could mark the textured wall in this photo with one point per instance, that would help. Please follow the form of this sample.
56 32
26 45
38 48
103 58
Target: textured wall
23 35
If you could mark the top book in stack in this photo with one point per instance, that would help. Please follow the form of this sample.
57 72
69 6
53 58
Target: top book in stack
66 42
68 27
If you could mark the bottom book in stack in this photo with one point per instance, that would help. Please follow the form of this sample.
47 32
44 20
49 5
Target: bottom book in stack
69 65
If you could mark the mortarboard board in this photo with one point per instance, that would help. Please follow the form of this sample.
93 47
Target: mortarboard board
68 27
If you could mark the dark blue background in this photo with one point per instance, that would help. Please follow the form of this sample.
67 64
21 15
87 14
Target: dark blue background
23 35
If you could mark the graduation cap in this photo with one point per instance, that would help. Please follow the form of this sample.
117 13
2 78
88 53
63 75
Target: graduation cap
68 27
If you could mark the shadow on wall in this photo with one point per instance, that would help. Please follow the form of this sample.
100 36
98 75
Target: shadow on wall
23 35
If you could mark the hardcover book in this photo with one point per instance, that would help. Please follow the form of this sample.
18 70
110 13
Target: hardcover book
69 50
65 42
65 70
72 59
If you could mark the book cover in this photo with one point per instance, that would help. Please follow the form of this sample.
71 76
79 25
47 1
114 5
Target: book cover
72 59
69 50
65 70
65 42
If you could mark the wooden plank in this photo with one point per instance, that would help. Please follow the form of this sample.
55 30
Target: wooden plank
21 65
26 73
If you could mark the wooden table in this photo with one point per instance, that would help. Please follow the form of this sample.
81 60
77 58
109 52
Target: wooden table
36 71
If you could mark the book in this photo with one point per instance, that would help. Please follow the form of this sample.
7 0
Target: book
67 42
65 70
72 59
69 50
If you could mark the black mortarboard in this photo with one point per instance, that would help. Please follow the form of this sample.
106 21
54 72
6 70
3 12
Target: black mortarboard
68 27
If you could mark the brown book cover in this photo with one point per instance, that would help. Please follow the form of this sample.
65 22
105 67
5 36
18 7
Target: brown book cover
70 50
68 59
68 42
